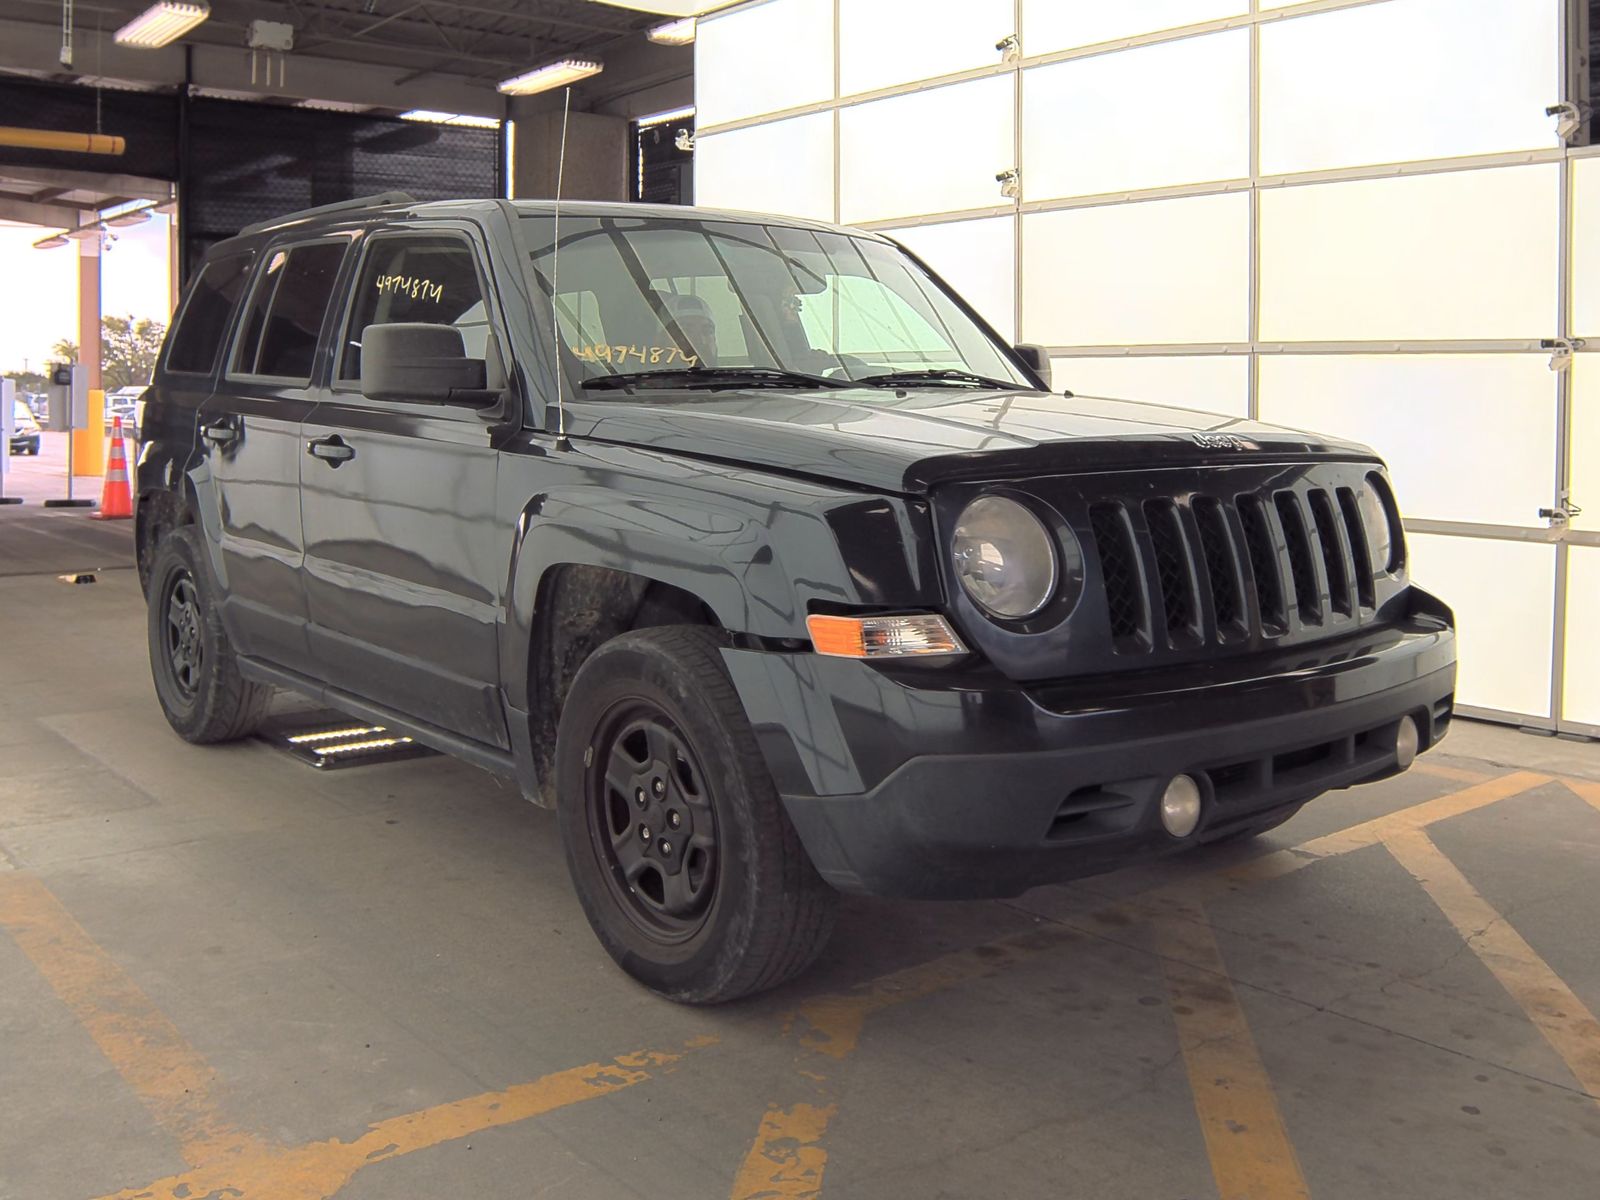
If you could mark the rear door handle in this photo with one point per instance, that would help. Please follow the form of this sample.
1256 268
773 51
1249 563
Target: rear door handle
331 450
220 434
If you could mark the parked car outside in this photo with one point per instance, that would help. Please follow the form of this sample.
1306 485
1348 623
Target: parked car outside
24 429
745 544
125 402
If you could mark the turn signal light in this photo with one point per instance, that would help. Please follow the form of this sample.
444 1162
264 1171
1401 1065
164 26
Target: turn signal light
883 637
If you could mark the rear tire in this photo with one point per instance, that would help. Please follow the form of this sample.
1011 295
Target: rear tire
682 855
196 673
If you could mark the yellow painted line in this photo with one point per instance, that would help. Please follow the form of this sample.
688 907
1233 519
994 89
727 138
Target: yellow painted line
786 1161
1186 898
1441 771
1563 1019
1251 1155
835 1021
318 1170
831 1025
1586 789
164 1071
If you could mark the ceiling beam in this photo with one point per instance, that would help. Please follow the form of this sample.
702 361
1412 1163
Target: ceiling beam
130 187
20 208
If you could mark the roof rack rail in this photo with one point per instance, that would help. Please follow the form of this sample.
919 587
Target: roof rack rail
359 202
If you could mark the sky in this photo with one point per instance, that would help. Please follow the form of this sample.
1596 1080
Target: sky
39 288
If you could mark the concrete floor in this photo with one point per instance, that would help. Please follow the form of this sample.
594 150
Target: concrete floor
223 974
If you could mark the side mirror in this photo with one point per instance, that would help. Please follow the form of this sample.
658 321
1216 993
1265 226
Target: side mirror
1036 360
422 364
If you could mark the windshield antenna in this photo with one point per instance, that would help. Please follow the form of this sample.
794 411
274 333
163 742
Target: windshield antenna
555 282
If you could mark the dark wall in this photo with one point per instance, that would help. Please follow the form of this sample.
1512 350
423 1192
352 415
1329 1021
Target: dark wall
238 162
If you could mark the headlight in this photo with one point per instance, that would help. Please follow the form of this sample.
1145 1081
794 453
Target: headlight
1377 518
1005 558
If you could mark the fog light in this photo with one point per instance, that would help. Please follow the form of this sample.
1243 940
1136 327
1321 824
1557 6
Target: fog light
1180 806
1406 743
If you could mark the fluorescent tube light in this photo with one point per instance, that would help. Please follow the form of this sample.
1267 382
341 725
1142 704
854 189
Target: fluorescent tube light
162 23
673 33
450 118
665 118
542 79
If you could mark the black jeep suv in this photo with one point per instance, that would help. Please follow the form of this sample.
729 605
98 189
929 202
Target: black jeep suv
748 547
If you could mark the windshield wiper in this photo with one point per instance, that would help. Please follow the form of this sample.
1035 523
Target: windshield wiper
934 375
713 377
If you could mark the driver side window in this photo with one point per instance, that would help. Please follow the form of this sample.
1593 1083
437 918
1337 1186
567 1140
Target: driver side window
427 278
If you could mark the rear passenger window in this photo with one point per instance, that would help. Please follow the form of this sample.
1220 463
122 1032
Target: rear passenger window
286 310
433 280
197 338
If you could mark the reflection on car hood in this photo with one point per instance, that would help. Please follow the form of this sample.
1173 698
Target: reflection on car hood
908 439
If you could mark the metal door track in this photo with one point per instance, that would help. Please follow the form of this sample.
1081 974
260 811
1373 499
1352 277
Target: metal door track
329 741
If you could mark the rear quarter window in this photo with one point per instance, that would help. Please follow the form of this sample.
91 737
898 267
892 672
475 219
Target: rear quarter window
292 293
196 339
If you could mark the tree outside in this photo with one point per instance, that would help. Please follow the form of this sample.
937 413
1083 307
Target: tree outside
128 350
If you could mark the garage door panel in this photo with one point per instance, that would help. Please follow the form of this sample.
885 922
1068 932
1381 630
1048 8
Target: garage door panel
1581 677
929 152
1586 247
1157 272
1585 437
1050 25
1457 255
1468 437
1081 134
763 59
1218 383
977 259
1503 594
883 43
785 167
1410 79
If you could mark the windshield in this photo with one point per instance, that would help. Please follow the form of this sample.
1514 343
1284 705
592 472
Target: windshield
668 297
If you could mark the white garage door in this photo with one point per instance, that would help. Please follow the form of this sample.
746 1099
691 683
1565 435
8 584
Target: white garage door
1356 217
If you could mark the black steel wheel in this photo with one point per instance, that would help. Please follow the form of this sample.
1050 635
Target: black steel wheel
197 679
680 850
651 818
185 644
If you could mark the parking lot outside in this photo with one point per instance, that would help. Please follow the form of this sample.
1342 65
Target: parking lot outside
230 975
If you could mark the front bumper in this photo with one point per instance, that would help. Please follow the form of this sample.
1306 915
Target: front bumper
942 792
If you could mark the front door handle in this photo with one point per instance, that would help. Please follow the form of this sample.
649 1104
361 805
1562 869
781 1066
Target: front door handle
220 434
331 450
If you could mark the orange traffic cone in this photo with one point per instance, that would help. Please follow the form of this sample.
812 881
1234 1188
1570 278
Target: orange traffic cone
116 502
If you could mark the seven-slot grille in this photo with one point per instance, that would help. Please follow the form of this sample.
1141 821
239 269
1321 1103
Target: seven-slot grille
1190 569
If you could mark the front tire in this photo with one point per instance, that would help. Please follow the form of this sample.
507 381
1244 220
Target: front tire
196 673
683 858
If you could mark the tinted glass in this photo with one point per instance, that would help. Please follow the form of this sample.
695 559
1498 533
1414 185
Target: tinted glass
432 280
197 339
286 311
638 294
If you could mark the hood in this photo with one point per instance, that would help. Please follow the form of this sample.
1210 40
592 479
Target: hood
909 439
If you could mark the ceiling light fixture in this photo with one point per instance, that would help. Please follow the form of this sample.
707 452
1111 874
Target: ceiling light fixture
134 216
431 117
666 118
673 33
542 79
163 23
51 242
344 106
84 232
